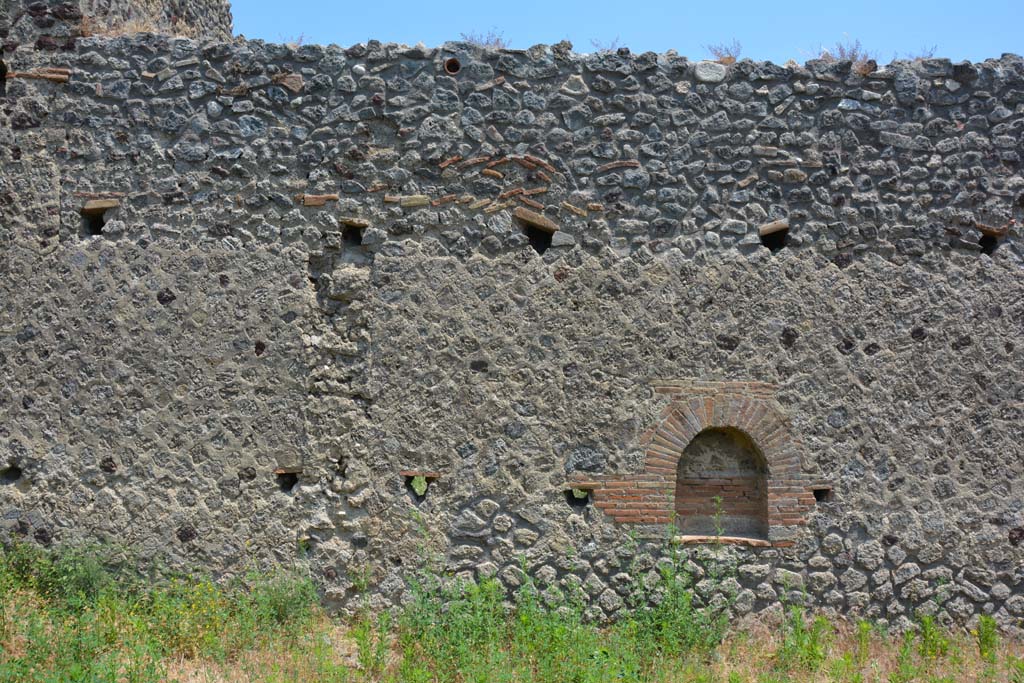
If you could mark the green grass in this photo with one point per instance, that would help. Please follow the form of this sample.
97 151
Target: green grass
75 616
69 617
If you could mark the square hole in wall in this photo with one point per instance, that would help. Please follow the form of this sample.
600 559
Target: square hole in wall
417 482
540 240
776 240
10 474
287 478
352 236
578 498
95 215
988 244
823 494
92 224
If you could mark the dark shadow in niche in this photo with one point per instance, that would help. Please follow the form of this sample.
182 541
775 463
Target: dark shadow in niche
92 223
775 241
722 486
10 475
352 236
540 240
823 494
988 244
3 78
576 501
287 479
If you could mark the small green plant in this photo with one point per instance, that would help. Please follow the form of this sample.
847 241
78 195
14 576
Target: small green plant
1016 668
906 669
280 597
419 485
675 623
987 636
864 631
804 645
372 642
717 519
73 577
932 642
846 669
361 580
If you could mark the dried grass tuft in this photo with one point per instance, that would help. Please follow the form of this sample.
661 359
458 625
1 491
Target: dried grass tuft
493 39
851 51
725 53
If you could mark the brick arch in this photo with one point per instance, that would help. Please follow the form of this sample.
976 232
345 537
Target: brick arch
648 497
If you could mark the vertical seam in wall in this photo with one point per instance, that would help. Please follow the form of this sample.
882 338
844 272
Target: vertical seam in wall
60 192
310 353
371 344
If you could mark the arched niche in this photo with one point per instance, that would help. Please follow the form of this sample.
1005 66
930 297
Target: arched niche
713 439
722 486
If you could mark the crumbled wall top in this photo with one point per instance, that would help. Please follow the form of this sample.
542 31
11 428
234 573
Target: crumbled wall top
629 151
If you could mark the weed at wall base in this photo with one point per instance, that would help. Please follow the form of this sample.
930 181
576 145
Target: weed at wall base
70 615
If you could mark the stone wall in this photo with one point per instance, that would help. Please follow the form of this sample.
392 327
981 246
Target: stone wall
57 24
250 292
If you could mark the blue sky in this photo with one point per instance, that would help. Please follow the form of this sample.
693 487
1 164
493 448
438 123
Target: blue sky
972 29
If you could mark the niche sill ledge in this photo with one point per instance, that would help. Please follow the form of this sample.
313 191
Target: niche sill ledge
729 540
